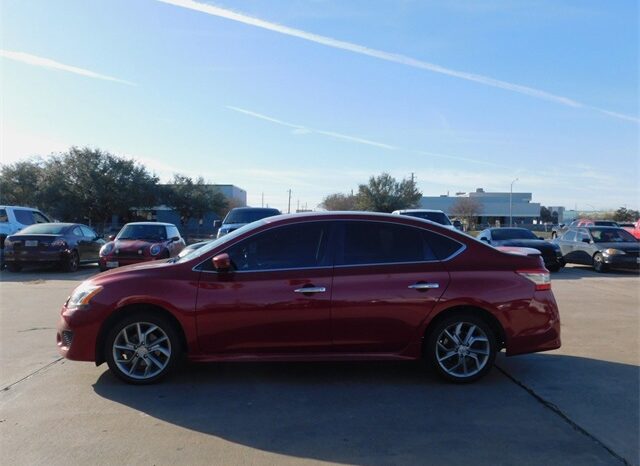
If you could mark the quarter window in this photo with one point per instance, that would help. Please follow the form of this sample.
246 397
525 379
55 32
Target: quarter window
24 216
88 232
382 243
287 247
39 218
76 231
443 247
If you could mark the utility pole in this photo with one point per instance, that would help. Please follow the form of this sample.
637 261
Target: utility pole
262 203
289 205
511 203
412 177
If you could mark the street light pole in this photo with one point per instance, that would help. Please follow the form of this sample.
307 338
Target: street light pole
511 203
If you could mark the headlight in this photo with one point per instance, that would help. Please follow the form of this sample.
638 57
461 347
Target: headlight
82 296
106 249
155 249
613 252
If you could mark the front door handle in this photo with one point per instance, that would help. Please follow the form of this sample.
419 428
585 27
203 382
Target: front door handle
310 289
424 286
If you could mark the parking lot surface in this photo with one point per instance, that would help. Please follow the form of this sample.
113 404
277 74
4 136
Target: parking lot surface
576 405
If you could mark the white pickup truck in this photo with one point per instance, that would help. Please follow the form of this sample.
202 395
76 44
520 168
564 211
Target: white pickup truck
15 218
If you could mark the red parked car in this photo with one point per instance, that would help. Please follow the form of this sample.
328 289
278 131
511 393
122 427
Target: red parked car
141 242
328 286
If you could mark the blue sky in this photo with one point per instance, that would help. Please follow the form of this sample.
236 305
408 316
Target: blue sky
318 95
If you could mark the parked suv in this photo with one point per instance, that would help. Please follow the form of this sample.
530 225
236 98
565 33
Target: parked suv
437 216
240 216
15 218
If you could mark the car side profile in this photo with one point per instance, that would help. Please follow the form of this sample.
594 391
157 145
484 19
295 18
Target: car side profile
64 244
317 287
141 242
241 216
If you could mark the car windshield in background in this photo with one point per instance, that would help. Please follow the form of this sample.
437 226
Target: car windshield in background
152 232
437 217
44 229
222 240
512 233
248 216
604 223
612 235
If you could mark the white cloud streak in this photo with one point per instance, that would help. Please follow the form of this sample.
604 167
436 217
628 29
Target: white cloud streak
387 56
299 129
54 65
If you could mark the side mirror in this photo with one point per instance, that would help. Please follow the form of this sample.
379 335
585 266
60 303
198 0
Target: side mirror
486 240
540 237
112 237
217 223
221 262
175 238
586 240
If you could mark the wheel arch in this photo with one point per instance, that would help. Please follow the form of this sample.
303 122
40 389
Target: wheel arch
484 314
127 310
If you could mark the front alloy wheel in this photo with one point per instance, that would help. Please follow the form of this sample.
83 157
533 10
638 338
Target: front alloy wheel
462 348
598 263
142 350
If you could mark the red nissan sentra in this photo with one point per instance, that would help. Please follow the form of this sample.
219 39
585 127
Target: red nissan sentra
318 286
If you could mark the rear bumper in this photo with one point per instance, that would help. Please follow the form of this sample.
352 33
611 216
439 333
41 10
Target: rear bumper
35 256
536 328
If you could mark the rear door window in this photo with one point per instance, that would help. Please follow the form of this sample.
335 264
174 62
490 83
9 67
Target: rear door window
24 216
569 236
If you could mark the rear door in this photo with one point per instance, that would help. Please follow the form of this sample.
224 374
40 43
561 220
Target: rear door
93 243
386 281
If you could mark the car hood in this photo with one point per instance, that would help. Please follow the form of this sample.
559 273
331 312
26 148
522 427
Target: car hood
132 244
128 270
525 243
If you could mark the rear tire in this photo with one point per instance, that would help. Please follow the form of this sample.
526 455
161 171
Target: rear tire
554 268
142 348
598 263
461 348
71 263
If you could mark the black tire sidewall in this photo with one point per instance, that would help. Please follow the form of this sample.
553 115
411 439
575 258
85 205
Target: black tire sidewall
68 264
602 267
159 320
429 351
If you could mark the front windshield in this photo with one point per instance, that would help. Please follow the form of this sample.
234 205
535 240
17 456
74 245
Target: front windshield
503 234
44 229
151 232
612 235
437 217
220 241
249 215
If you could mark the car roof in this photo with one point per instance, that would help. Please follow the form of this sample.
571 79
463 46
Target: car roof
401 211
18 207
63 224
271 209
151 223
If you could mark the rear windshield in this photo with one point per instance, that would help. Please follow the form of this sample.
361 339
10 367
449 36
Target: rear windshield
512 233
612 235
151 232
603 223
437 217
44 229
249 215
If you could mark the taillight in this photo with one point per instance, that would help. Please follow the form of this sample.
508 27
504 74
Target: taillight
59 243
541 278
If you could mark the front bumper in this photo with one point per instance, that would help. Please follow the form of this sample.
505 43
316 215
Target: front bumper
77 334
108 261
622 261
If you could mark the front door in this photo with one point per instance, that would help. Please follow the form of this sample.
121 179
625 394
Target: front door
276 299
386 281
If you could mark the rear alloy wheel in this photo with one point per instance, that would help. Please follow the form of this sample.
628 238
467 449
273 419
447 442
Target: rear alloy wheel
142 349
72 262
462 348
598 263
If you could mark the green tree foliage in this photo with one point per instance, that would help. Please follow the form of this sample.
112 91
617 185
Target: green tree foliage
545 214
19 183
192 199
339 201
626 215
385 194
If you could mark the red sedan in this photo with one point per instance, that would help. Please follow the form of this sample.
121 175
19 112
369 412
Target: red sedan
310 287
141 242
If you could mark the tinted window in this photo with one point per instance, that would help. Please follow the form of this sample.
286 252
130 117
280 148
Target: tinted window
3 216
45 229
150 232
379 243
612 235
88 232
605 223
438 217
287 247
173 231
569 236
24 216
249 215
39 218
500 234
582 235
76 231
442 247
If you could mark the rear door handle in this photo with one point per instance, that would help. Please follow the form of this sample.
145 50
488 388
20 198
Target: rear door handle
424 286
310 289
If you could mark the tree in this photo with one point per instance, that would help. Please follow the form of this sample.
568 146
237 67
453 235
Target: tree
384 194
546 215
624 215
339 201
193 199
19 183
467 209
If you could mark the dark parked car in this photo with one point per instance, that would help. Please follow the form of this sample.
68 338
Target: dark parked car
312 287
521 237
240 216
192 247
602 247
559 230
66 244
141 242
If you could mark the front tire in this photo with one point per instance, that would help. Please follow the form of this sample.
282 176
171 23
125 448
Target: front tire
598 263
142 348
461 348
